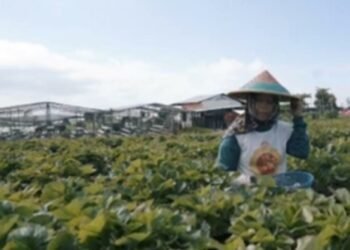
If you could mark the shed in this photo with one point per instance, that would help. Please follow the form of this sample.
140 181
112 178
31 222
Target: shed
211 111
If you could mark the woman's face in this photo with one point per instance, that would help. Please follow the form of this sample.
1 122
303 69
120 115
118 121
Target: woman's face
264 105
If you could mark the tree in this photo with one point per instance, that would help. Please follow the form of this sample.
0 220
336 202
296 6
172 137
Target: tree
348 102
325 101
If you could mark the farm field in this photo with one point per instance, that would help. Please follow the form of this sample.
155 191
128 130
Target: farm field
163 192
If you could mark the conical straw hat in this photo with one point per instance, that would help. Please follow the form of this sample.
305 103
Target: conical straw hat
263 83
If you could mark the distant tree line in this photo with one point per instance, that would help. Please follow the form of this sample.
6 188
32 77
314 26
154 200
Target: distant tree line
325 103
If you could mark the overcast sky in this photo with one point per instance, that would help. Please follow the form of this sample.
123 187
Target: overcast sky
108 54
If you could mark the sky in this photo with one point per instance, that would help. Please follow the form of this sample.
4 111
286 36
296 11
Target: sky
112 53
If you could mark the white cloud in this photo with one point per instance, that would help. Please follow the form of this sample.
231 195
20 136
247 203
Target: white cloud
32 72
223 75
306 79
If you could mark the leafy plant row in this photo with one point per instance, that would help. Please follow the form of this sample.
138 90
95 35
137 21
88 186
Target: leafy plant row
163 192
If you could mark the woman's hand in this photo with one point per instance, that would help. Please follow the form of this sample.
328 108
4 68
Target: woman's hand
243 180
296 106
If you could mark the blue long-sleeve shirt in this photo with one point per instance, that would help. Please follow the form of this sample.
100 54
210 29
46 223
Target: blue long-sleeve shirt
297 145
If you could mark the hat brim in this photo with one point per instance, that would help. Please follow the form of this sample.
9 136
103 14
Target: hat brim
243 95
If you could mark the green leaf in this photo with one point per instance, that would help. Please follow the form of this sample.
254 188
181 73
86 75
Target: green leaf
7 224
76 222
26 210
16 245
87 169
318 242
138 236
42 218
266 181
4 191
213 244
237 243
53 190
121 241
94 228
324 237
285 240
133 237
62 241
168 184
237 199
94 188
33 236
73 209
263 236
306 243
134 167
343 195
307 214
6 207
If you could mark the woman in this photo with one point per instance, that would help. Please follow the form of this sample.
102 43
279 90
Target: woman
257 143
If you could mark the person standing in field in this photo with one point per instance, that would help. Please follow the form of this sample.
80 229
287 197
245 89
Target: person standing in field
257 143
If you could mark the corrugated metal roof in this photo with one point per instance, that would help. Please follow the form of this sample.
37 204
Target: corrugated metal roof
224 103
195 99
149 106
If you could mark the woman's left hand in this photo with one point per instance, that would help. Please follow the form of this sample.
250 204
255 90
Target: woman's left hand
296 106
243 180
